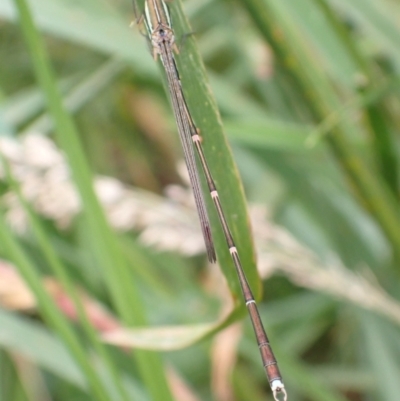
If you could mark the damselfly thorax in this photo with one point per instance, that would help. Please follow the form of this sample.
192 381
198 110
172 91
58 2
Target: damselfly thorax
158 24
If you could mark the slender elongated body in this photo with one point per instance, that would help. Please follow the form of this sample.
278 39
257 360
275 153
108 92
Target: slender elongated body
163 42
162 38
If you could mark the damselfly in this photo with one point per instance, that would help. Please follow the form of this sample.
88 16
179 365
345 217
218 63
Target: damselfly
162 37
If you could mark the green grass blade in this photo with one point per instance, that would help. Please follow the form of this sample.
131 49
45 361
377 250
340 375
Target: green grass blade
81 93
384 363
108 254
61 274
49 311
378 114
314 87
269 134
206 116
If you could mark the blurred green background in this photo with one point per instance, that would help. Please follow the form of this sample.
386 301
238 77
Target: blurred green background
308 97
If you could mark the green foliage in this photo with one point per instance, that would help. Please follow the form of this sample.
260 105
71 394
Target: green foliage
308 96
